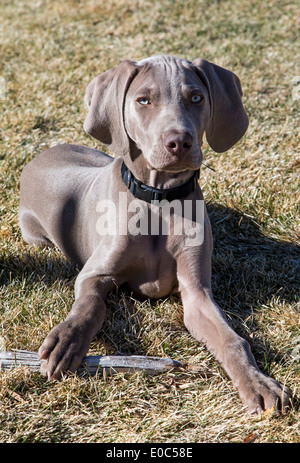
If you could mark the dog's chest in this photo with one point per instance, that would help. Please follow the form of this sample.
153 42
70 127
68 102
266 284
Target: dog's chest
152 273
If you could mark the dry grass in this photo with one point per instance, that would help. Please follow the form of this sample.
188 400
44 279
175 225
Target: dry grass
50 50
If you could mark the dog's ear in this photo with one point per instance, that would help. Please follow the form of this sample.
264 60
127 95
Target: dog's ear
228 119
104 98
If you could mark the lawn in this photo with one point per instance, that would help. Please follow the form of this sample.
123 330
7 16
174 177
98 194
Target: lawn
50 50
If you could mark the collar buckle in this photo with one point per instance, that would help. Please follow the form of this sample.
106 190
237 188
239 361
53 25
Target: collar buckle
128 183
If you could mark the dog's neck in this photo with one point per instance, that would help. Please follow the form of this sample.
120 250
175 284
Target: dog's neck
154 178
164 180
151 194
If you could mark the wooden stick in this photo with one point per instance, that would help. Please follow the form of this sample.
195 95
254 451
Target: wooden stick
98 364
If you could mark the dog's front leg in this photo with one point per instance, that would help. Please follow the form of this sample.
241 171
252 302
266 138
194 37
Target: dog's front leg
68 342
207 323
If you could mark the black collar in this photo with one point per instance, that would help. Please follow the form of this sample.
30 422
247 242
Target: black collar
149 194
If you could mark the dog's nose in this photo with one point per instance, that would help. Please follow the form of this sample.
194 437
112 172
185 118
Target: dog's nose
178 143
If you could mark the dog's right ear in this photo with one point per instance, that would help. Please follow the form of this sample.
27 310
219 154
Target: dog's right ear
105 97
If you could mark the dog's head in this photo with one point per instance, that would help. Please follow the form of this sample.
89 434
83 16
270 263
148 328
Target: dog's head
161 107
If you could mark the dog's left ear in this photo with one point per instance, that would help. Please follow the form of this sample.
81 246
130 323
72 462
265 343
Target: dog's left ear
228 119
104 98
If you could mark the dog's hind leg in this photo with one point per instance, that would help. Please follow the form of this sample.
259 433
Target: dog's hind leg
32 230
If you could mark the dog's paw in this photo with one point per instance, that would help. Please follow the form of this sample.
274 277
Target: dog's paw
63 350
260 393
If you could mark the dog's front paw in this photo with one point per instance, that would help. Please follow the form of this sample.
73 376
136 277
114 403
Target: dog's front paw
63 349
260 393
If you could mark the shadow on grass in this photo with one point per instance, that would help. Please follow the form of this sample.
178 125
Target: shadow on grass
245 260
35 266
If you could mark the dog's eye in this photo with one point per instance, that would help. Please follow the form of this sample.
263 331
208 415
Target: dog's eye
143 101
196 98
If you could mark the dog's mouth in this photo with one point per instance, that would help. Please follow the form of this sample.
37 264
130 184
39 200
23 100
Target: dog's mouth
163 161
174 165
169 176
174 169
